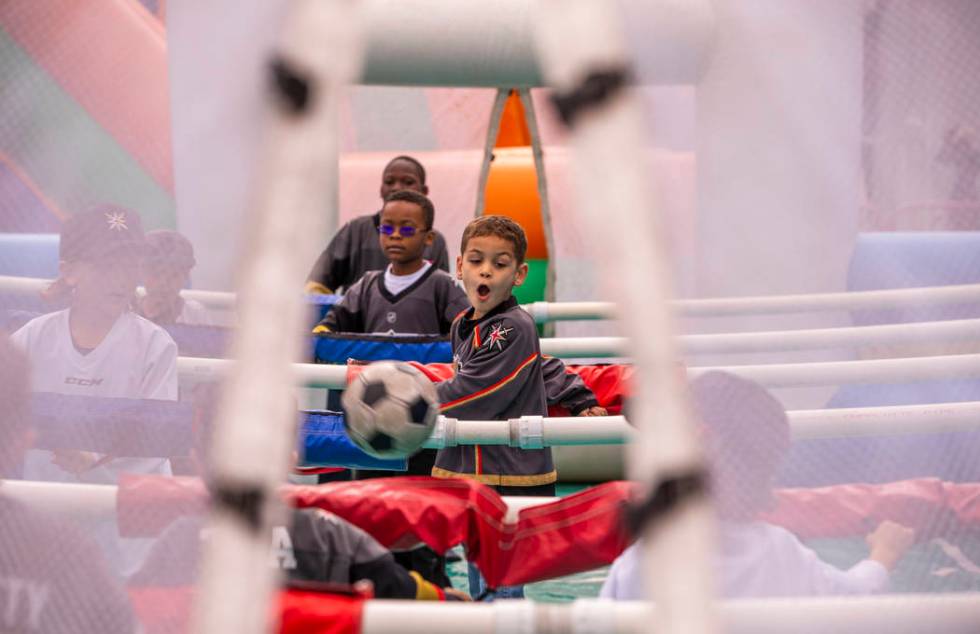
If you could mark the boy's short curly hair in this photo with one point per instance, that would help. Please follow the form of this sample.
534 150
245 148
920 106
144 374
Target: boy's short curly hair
407 195
501 227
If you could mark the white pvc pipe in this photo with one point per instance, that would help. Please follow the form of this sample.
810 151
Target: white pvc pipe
96 501
34 285
773 304
804 424
489 43
198 369
772 341
73 500
712 307
585 58
294 191
773 375
847 372
876 421
901 613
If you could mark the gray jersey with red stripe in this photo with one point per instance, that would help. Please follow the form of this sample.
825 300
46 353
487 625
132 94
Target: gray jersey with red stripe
498 377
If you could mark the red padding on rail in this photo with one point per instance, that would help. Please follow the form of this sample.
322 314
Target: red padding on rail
302 612
930 506
572 534
166 610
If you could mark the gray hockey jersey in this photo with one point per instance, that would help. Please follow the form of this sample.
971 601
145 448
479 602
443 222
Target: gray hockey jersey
498 376
355 250
427 307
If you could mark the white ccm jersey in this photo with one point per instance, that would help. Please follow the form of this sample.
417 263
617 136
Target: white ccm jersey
137 359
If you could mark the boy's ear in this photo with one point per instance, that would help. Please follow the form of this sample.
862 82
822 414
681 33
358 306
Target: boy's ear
459 267
429 237
521 274
425 190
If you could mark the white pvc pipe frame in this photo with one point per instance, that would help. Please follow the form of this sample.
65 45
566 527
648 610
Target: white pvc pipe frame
544 312
947 613
774 375
535 432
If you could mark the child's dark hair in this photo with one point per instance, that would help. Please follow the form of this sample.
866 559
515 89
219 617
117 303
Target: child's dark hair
746 436
501 227
409 196
413 161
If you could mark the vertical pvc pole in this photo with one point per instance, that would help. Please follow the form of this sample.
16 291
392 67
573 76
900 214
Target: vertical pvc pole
317 53
584 58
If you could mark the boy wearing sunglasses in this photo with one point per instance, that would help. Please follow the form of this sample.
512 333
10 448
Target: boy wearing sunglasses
411 296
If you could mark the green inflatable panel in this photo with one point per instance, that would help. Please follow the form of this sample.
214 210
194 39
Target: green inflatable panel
533 288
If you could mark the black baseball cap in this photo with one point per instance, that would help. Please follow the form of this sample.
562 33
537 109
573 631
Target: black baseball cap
99 231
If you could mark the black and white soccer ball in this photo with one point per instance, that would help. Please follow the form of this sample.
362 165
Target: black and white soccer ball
390 409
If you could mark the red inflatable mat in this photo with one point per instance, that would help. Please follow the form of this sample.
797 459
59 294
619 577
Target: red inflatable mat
932 507
609 383
572 534
168 611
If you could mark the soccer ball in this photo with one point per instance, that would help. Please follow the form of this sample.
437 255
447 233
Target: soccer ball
390 409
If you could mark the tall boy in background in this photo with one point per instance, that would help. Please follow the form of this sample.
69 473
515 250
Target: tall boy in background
354 250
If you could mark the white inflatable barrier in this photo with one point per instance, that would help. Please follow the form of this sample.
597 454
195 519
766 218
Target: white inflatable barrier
962 366
905 613
535 432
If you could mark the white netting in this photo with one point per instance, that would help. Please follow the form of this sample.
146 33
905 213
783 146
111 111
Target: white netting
795 147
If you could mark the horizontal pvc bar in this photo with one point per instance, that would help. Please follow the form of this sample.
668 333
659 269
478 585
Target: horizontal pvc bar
878 421
899 613
773 304
34 286
785 340
198 369
94 501
712 307
850 372
491 43
804 424
773 375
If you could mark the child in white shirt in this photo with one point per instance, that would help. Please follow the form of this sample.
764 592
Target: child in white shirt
97 347
746 437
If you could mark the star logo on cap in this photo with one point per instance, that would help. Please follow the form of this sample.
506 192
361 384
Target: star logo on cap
116 221
497 337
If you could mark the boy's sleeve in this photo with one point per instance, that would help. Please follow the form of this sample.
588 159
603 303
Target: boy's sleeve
486 383
332 268
347 314
367 558
565 388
